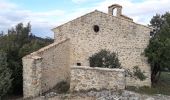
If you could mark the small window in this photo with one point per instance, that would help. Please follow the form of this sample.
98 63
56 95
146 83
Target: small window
96 28
78 64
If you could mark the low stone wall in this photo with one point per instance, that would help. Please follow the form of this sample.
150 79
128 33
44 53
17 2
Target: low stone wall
43 69
87 78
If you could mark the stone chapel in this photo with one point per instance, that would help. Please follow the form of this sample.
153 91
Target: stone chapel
75 41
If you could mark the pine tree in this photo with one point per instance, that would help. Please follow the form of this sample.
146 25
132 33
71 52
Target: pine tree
5 75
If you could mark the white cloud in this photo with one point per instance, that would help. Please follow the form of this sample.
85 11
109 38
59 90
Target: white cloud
42 22
6 5
49 13
72 15
141 12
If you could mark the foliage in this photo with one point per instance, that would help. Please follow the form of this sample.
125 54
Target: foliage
62 87
104 59
136 74
162 87
156 22
5 75
17 43
158 50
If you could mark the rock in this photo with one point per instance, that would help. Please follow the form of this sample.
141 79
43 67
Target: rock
134 98
101 98
126 93
91 93
42 97
150 98
51 94
158 94
103 95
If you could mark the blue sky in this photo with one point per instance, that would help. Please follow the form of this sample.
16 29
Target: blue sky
47 14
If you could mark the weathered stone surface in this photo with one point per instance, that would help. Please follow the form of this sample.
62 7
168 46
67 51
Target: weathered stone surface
76 41
86 78
43 69
32 76
124 37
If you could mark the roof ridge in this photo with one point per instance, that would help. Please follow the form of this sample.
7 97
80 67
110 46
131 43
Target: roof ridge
124 19
45 48
105 14
74 19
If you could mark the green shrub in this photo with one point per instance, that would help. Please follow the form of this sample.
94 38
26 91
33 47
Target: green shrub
17 43
5 75
104 59
63 87
138 73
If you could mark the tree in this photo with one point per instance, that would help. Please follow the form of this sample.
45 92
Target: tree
158 50
17 43
104 59
2 33
5 75
156 22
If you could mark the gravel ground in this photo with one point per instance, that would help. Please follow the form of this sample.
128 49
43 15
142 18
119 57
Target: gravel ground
103 95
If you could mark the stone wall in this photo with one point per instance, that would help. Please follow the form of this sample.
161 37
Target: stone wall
43 69
32 76
56 65
87 78
124 37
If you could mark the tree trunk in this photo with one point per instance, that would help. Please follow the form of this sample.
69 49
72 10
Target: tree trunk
155 74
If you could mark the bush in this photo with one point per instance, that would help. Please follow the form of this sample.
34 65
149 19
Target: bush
5 75
17 43
136 74
104 59
60 88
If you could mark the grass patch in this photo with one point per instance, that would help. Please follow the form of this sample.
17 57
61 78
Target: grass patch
61 88
162 87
